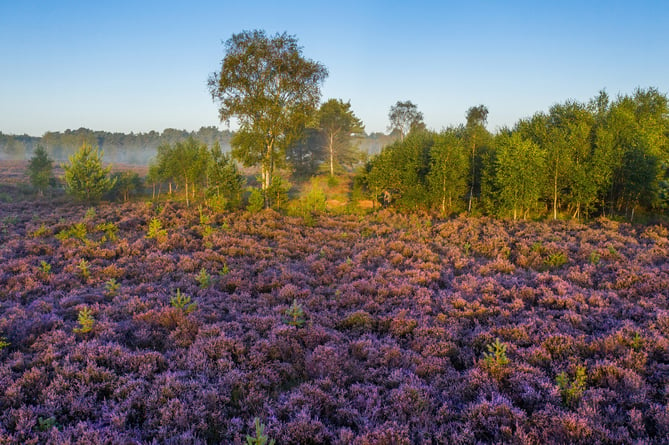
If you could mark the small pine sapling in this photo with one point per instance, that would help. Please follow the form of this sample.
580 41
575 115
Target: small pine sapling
45 268
3 343
84 269
183 302
295 315
572 391
86 321
260 437
112 287
224 270
156 230
203 278
495 360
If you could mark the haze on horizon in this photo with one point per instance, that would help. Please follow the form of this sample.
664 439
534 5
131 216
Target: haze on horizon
137 67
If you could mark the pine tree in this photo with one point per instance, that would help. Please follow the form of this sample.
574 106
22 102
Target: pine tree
85 178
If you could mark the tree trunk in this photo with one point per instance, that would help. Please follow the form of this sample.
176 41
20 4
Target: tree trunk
331 154
555 184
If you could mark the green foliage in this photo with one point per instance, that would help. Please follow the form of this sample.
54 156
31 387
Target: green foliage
398 175
45 268
156 230
126 185
86 321
225 182
594 258
91 213
313 201
260 437
224 270
572 390
203 278
84 268
3 343
75 231
519 165
272 91
85 178
109 230
338 124
495 360
555 260
294 315
45 424
112 287
449 165
183 302
404 117
256 201
41 232
40 170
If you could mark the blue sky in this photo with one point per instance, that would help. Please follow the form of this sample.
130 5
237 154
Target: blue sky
143 65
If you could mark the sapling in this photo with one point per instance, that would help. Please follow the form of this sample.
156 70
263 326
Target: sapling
571 391
112 287
84 268
86 321
295 315
45 268
203 278
3 343
183 302
260 437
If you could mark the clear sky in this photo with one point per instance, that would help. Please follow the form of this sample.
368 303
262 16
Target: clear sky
143 65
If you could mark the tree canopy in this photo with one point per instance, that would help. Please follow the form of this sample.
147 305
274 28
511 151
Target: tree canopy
272 90
405 117
338 124
85 177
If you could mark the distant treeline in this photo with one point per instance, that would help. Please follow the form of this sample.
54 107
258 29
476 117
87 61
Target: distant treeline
578 160
133 148
120 148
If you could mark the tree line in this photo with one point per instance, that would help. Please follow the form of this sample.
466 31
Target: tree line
123 148
578 160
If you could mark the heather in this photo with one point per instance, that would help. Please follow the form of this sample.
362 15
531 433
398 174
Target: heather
157 323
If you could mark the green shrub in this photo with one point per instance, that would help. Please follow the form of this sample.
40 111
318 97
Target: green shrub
156 230
294 315
84 269
183 302
85 178
256 201
86 321
203 278
260 437
495 360
112 287
555 260
572 391
3 343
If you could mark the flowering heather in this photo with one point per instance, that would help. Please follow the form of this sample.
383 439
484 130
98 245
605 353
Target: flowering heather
459 331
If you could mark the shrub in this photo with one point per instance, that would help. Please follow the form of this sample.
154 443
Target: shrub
112 287
294 315
260 437
45 268
85 178
3 343
495 360
571 391
156 230
86 321
183 302
203 278
40 170
84 270
256 201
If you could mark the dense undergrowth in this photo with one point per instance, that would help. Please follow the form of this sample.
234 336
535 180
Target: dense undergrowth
137 323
